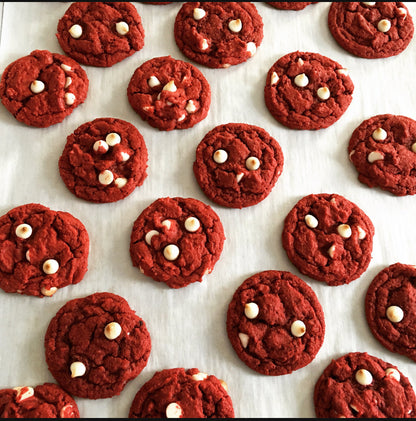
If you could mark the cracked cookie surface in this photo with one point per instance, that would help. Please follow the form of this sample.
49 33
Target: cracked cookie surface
290 5
328 238
177 241
95 345
181 393
100 33
41 89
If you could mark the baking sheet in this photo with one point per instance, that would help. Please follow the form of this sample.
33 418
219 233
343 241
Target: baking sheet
187 326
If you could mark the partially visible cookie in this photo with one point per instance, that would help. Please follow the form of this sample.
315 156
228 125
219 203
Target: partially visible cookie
104 160
237 165
96 344
218 34
307 91
100 33
177 241
41 89
180 393
328 238
43 401
359 385
41 250
371 29
169 94
275 323
383 150
290 5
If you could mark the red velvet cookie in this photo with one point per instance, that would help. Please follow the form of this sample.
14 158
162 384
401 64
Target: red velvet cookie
358 385
100 33
290 5
169 94
218 34
328 238
237 165
371 29
180 393
44 401
95 345
275 323
177 241
383 150
104 160
41 89
41 250
390 307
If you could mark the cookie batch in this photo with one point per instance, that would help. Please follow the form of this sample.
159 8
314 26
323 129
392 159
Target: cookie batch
96 344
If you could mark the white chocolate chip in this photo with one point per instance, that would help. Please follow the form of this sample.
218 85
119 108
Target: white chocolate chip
239 176
69 98
384 25
374 156
48 292
220 156
68 82
171 252
224 385
120 182
323 93
393 373
24 231
37 86
344 72
298 328
251 48
331 251
181 118
67 411
78 369
122 28
28 255
402 11
198 13
124 156
199 377
351 154
379 134
414 147
66 68
75 31
113 139
311 221
106 177
50 266
252 163
300 61
153 81
301 80
141 269
243 339
190 107
166 223
100 146
112 330
170 86
251 310
363 377
394 314
192 224
23 393
235 25
173 410
344 230
226 65
274 78
204 44
369 3
361 233
149 235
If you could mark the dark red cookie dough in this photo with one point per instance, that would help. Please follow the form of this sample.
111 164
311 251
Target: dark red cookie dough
177 241
307 91
383 150
218 34
44 401
290 5
41 89
237 165
104 160
376 30
100 33
169 94
328 238
390 308
180 393
275 323
41 250
339 393
95 345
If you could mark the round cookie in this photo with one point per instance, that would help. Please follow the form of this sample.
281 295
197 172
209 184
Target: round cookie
169 94
237 165
100 33
177 241
95 345
41 89
371 29
42 250
275 323
218 34
104 160
43 401
383 150
307 91
180 393
328 238
359 385
290 5
390 307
